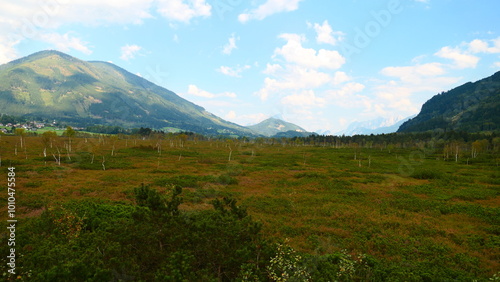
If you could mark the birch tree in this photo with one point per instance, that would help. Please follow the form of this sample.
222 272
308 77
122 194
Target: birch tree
70 133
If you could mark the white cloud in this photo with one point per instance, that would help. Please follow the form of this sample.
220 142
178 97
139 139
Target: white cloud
306 98
342 122
272 69
292 77
414 74
234 72
7 50
482 46
478 46
465 55
325 34
230 115
28 14
37 20
66 42
345 92
269 8
230 46
129 51
195 91
461 59
397 95
301 69
340 77
184 10
293 52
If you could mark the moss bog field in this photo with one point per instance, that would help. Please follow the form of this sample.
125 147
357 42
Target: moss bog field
118 208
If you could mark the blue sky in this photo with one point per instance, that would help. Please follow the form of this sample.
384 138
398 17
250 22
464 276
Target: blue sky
319 64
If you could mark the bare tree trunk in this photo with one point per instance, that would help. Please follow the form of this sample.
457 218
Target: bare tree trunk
58 160
59 156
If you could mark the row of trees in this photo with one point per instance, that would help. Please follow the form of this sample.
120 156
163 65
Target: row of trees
452 145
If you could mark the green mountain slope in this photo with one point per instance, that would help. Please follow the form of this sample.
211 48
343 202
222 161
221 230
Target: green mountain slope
273 126
51 84
472 107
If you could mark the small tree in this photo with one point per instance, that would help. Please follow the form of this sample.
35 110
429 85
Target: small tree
70 133
47 138
114 139
21 132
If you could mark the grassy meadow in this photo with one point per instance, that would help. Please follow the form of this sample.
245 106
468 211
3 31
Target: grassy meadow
419 216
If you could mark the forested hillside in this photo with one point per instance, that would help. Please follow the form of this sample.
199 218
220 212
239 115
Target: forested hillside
471 107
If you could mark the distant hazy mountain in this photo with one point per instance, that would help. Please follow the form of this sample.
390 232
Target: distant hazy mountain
471 107
376 126
51 84
273 126
323 132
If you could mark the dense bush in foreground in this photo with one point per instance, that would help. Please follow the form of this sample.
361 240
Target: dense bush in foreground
155 241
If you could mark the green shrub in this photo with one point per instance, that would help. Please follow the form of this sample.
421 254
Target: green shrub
426 174
150 241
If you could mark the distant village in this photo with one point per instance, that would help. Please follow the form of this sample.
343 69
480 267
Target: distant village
32 126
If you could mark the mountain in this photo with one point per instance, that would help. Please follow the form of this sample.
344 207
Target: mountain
472 107
54 85
375 126
278 128
323 132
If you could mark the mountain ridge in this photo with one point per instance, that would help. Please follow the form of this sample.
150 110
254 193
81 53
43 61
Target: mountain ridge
52 84
375 126
274 126
472 107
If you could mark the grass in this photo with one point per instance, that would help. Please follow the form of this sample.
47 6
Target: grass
442 216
